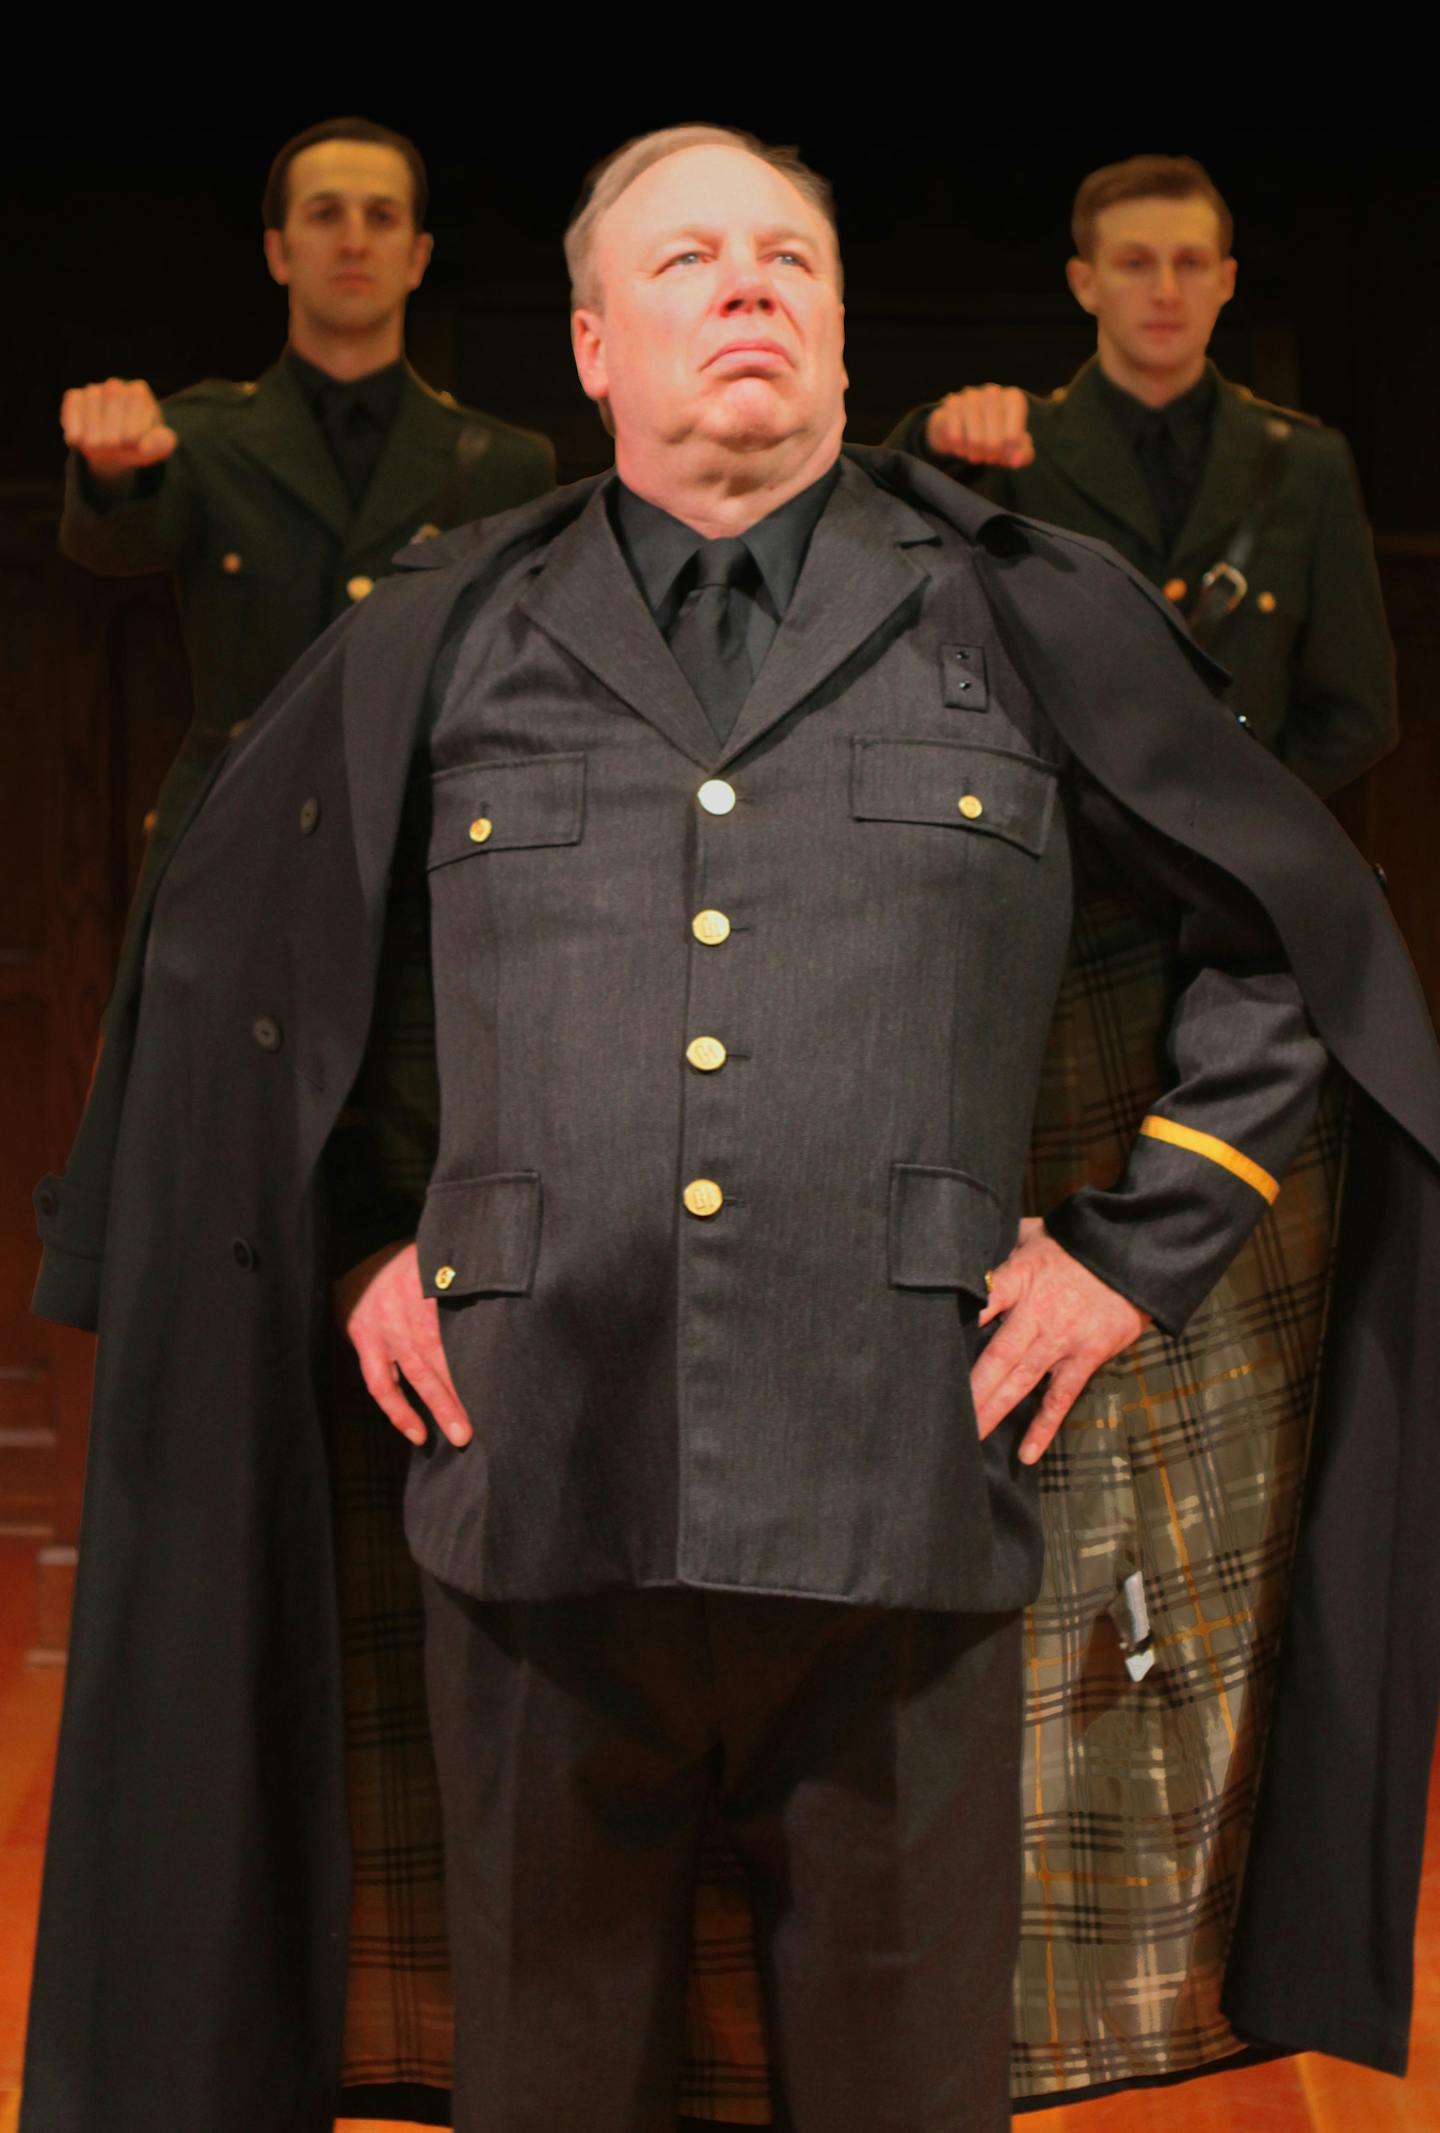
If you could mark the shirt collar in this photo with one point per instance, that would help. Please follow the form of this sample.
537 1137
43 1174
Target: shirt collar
378 392
1188 415
658 546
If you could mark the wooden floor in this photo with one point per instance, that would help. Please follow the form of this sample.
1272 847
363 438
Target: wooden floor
1289 2096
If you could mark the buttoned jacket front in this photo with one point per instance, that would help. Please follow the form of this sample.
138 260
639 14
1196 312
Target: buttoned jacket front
715 1322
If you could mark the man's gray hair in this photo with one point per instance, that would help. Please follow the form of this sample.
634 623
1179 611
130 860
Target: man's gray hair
611 177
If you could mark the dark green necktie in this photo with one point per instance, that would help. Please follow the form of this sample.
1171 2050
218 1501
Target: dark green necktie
708 636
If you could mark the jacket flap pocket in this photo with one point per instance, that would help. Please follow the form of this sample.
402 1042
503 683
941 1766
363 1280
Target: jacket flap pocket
481 1236
943 1229
991 792
503 807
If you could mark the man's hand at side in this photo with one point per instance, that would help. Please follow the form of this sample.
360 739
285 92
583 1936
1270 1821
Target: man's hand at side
394 1327
986 425
1060 1320
117 427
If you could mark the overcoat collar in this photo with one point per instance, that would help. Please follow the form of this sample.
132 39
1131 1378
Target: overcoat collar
281 435
856 576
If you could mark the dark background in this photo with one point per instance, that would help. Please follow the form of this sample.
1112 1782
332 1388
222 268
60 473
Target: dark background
138 253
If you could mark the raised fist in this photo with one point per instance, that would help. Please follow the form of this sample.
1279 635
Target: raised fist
118 426
988 425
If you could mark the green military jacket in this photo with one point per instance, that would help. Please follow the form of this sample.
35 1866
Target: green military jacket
1307 647
252 516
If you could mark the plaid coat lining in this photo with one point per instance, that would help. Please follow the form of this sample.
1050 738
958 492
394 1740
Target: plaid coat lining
1182 1461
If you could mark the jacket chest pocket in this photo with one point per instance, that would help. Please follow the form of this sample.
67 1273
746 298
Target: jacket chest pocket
956 785
478 809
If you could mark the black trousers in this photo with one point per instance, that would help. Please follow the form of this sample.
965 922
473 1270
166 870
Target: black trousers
866 1763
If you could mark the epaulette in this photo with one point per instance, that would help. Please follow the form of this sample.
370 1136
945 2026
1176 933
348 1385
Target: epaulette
1274 412
215 392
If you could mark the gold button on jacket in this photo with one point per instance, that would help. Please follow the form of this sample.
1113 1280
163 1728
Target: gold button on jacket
711 927
706 1053
970 807
703 1197
481 829
361 587
232 563
444 1275
716 796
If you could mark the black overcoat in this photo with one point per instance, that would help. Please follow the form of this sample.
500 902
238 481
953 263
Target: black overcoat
191 1956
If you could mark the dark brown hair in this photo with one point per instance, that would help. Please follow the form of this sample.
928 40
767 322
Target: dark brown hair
276 203
1146 178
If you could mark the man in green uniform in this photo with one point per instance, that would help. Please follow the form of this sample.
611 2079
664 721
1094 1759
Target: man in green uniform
277 504
1248 516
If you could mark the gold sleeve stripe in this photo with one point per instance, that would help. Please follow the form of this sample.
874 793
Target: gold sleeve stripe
1215 1151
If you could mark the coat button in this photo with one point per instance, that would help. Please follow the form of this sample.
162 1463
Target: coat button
716 796
232 564
360 588
1175 588
703 1197
309 815
706 1053
444 1276
711 927
427 532
481 831
266 1032
243 1253
1265 602
971 808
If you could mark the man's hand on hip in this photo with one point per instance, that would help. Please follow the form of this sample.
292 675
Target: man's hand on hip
1060 1320
987 425
394 1327
117 426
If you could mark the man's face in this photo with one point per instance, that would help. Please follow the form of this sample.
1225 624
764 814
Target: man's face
349 252
719 314
1157 281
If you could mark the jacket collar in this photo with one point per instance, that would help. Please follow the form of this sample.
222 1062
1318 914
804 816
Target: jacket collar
1088 446
856 576
1085 442
281 434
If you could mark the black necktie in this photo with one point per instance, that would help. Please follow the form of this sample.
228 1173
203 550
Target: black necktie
1166 475
353 436
708 637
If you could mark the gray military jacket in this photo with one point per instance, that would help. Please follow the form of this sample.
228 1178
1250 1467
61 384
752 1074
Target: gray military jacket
738 1054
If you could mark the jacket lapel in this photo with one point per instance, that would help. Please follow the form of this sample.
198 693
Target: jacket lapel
1084 443
856 576
282 436
586 600
1232 470
412 469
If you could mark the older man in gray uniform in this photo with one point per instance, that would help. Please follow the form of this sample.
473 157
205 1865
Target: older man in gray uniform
819 1608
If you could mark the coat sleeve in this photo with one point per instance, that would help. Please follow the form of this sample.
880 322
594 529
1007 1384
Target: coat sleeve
1341 717
1244 1070
149 526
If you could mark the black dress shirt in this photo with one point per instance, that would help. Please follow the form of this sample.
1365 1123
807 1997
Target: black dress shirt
355 414
660 550
1170 443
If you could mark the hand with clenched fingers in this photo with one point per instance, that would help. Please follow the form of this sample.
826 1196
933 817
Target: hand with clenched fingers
987 425
394 1329
118 427
1060 1321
